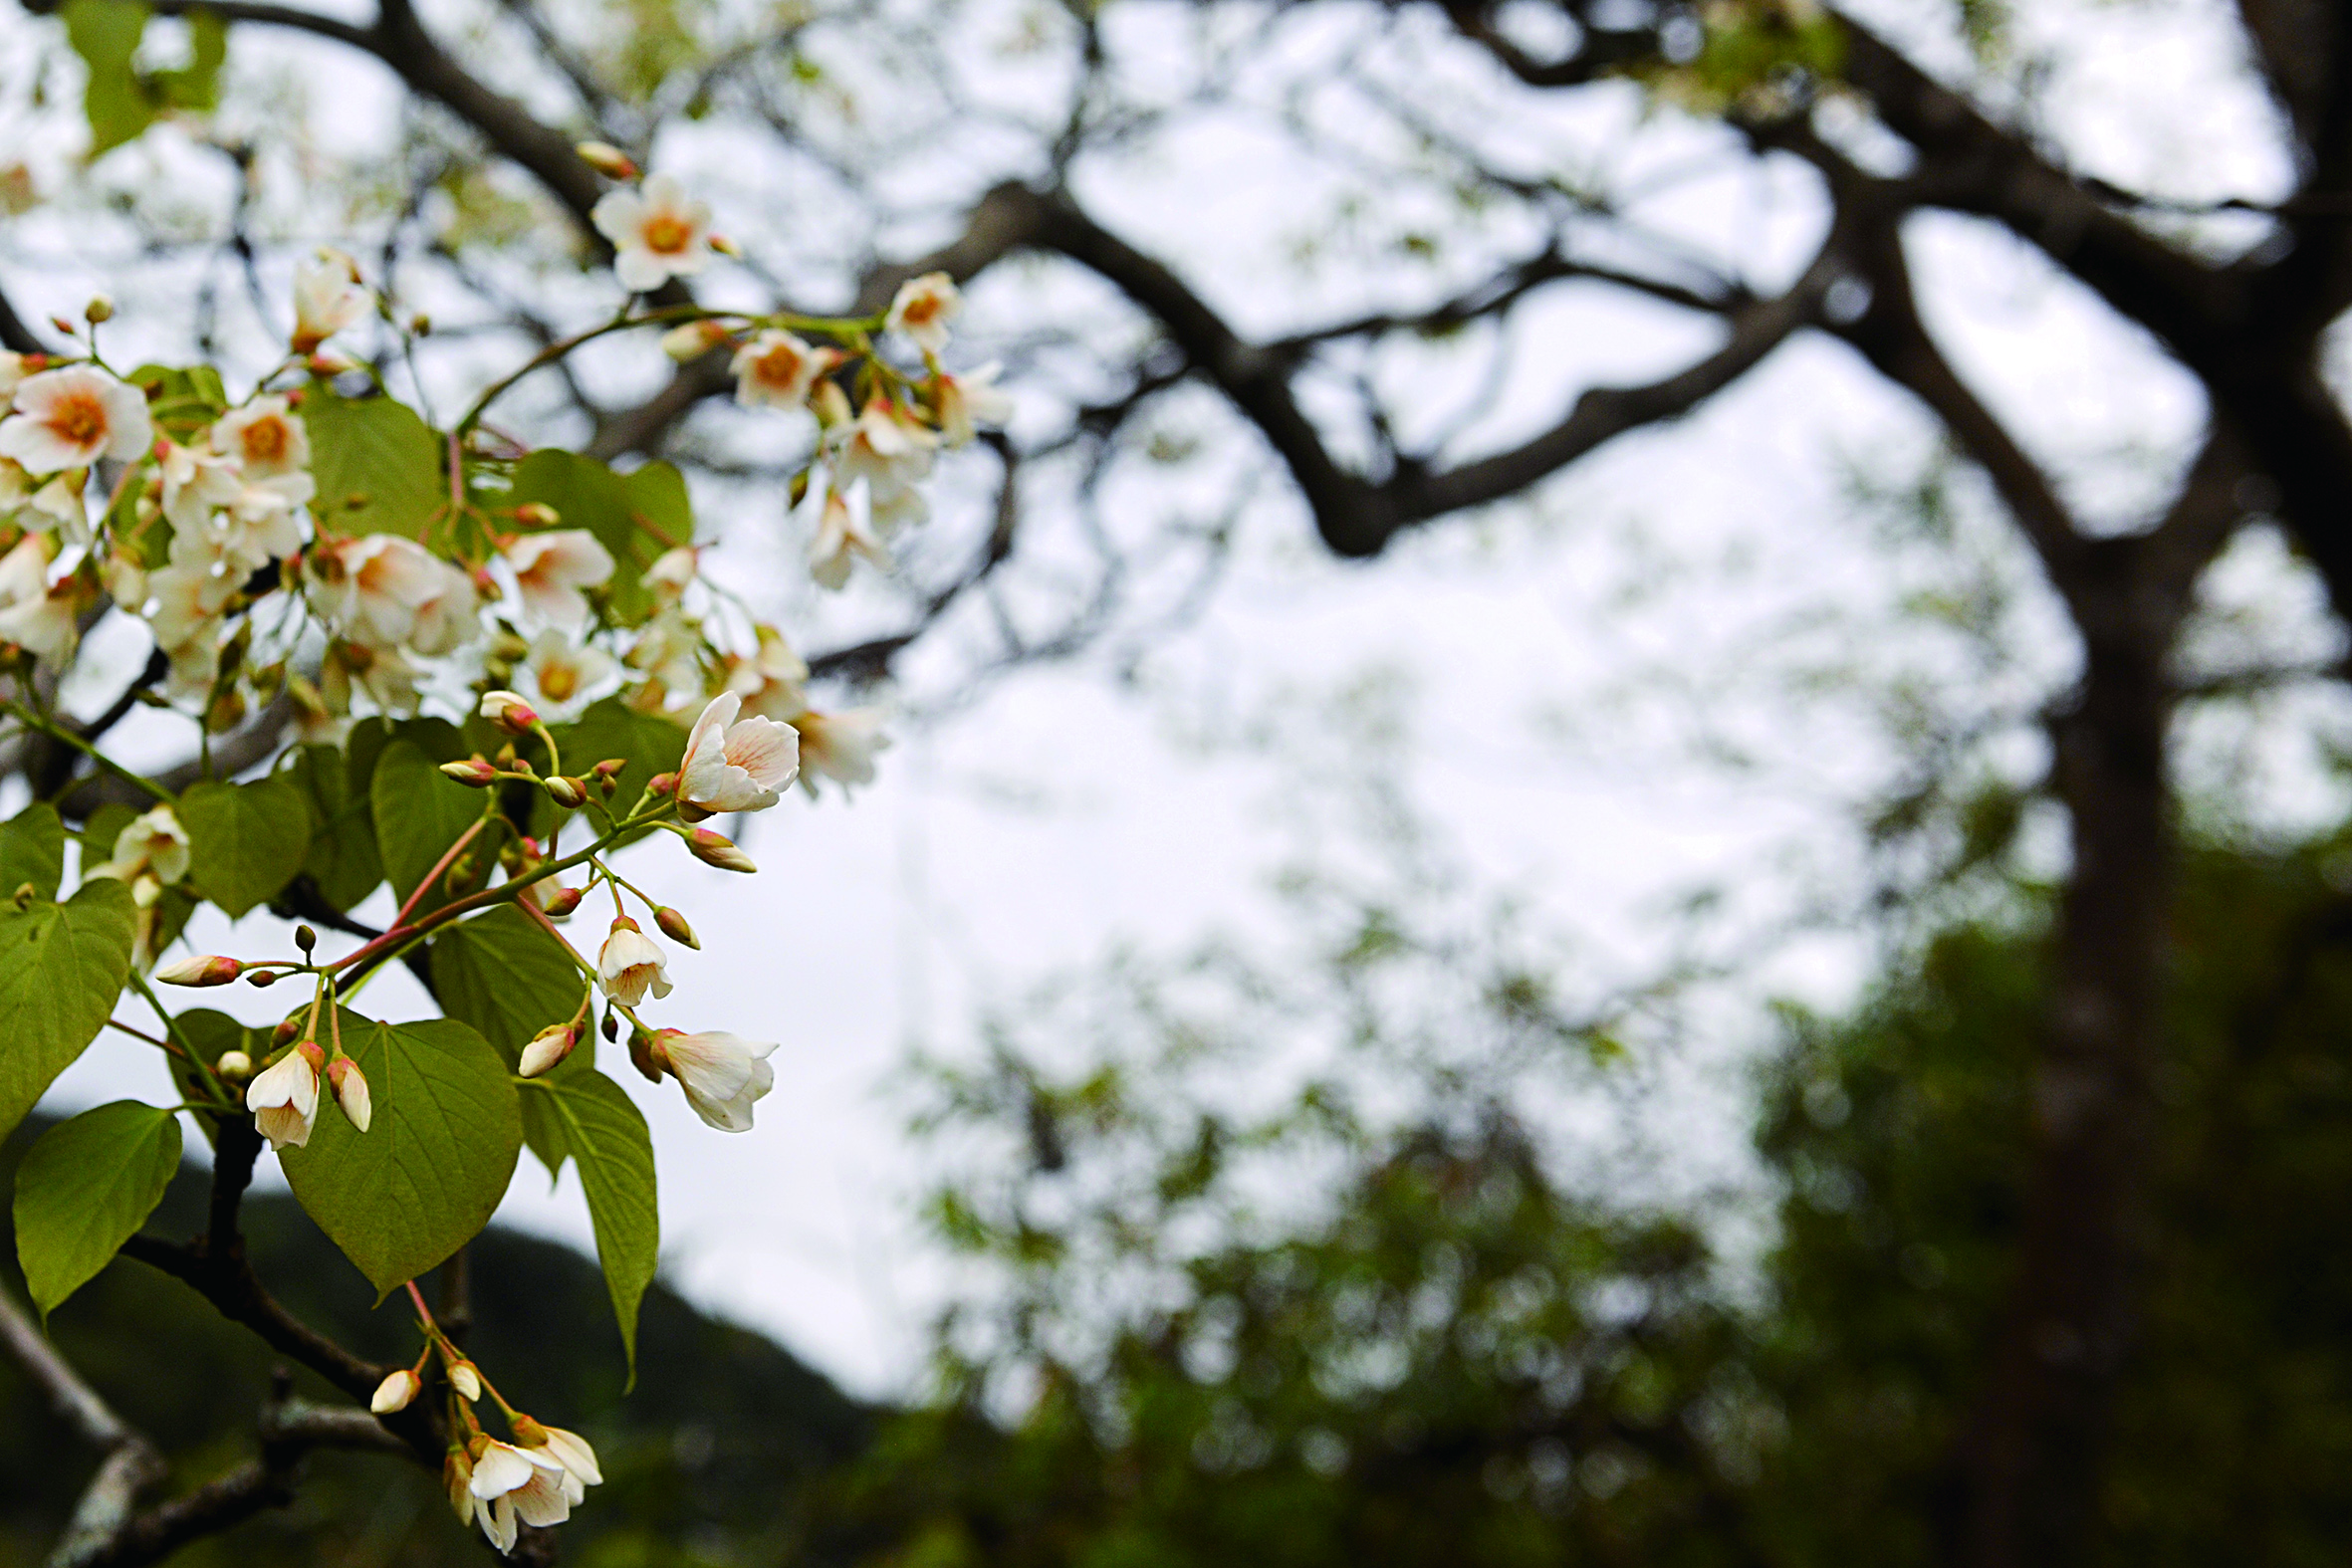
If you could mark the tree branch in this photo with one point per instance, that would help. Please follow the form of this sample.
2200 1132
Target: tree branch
130 1465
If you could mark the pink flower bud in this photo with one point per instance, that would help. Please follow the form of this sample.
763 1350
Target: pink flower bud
662 783
395 1392
673 926
205 968
350 1091
569 792
713 851
474 772
566 900
538 514
547 1049
606 159
509 711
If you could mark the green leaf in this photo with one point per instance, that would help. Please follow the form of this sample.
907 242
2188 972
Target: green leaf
375 452
425 1177
196 86
419 812
105 34
604 1131
609 728
102 828
501 973
626 513
245 841
32 849
208 1034
342 861
85 1188
61 966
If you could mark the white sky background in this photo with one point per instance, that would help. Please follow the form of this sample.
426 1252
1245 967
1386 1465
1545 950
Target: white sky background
1604 681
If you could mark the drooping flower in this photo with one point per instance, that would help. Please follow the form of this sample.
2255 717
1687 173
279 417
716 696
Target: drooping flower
267 437
840 536
722 1075
510 1482
71 417
672 573
668 653
734 765
887 446
571 1451
350 1091
328 297
658 232
632 964
552 567
839 745
776 369
34 616
449 618
769 681
284 1098
922 308
566 676
184 608
152 844
196 482
370 588
961 402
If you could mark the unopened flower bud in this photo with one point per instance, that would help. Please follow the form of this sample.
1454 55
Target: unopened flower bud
693 340
547 1048
420 325
234 1066
713 851
569 792
528 1432
260 977
475 773
662 783
306 939
457 1479
565 901
464 1379
394 1392
612 1028
538 514
350 1091
724 246
326 362
606 159
204 969
830 404
609 766
509 711
673 926
99 308
283 1032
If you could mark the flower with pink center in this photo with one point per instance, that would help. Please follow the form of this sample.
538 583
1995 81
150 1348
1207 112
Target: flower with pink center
552 567
735 765
71 418
776 369
658 232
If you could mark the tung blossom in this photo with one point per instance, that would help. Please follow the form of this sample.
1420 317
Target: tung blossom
732 763
965 401
658 232
840 536
777 369
151 848
769 681
839 745
71 418
196 482
284 1099
372 589
328 297
721 1073
552 567
632 964
565 675
266 438
922 308
34 616
510 1482
887 446
449 616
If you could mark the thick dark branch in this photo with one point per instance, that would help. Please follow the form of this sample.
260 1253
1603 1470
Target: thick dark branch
130 1463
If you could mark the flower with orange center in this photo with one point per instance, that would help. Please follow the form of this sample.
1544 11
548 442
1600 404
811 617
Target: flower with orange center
265 436
923 307
658 232
71 418
777 369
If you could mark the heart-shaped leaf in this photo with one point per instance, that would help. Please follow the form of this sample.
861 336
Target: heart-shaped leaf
245 841
437 1157
61 967
85 1188
32 849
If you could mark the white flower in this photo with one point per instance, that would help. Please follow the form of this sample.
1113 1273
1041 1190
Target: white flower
350 1091
370 589
184 604
963 401
721 1073
769 682
266 438
672 574
567 676
776 369
58 505
388 679
196 482
735 765
71 418
153 845
12 375
552 567
630 964
657 233
35 616
839 536
284 1099
328 297
887 446
923 307
509 1481
450 617
840 745
260 525
395 1393
571 1451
